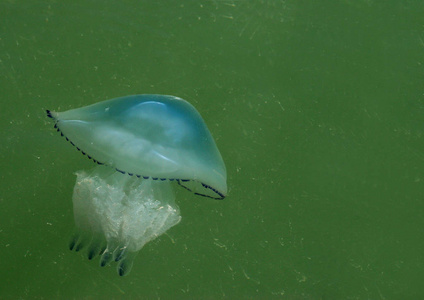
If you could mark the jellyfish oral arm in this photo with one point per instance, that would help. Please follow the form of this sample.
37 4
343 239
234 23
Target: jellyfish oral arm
116 214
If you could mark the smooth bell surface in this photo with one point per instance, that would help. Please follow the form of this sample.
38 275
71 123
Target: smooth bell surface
154 136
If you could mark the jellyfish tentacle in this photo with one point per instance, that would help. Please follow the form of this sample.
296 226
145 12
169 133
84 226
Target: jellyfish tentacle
81 244
73 241
102 249
91 254
125 265
120 253
106 258
217 195
95 247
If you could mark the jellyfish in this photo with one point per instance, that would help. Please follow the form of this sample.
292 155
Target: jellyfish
142 145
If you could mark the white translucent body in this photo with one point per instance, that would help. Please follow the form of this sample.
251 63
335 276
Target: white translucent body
117 214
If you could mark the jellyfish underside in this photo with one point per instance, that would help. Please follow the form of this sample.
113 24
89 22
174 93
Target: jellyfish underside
117 214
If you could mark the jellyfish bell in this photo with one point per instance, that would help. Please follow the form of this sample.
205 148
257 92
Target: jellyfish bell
142 144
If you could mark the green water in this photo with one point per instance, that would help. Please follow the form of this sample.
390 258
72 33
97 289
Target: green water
317 108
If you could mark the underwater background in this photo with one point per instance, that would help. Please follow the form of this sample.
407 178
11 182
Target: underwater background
317 108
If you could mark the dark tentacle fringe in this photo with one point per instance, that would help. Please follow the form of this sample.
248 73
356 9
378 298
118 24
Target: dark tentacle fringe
49 114
221 196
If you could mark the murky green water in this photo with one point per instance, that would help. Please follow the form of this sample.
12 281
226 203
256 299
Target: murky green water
317 109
